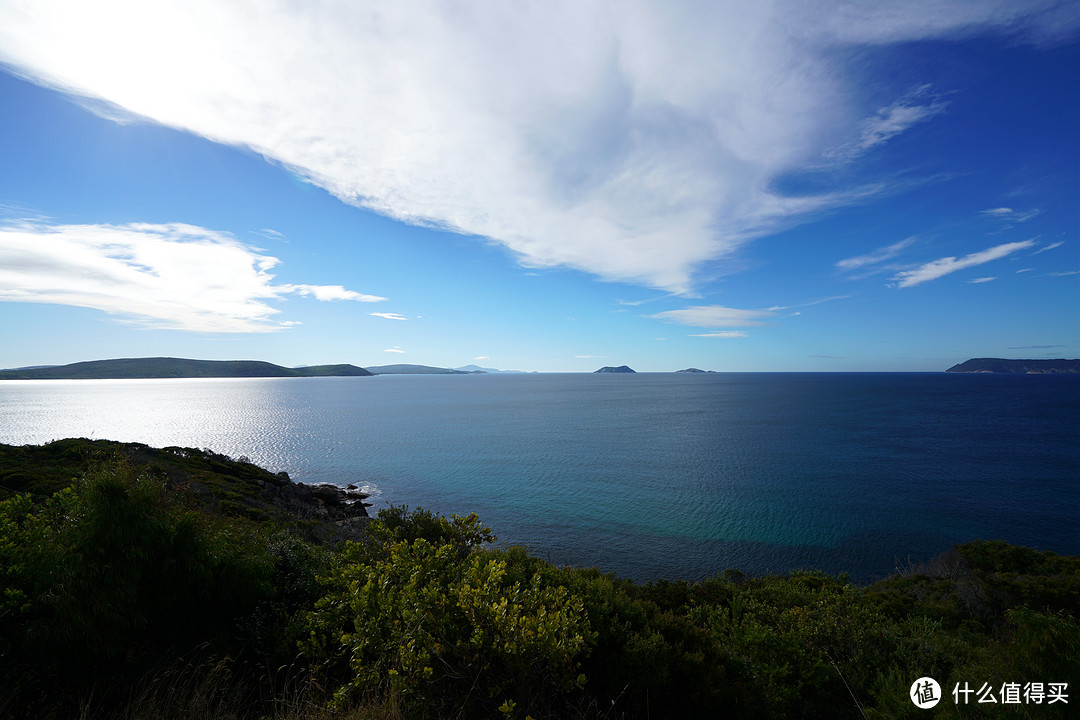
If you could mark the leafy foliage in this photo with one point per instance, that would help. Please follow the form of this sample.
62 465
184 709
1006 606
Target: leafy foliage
134 592
443 628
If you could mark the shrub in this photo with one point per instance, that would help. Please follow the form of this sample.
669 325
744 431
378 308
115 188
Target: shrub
445 632
109 576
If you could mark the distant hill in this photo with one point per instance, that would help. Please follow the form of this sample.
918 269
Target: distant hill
1030 367
620 369
131 368
694 370
339 370
493 371
412 370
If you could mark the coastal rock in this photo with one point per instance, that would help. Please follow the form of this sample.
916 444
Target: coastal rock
323 501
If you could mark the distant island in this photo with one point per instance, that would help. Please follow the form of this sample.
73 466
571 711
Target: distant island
1028 367
162 367
620 369
694 370
476 369
402 369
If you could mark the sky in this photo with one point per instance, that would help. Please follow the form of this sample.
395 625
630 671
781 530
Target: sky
553 186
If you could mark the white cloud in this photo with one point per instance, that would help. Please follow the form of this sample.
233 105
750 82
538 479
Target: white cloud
330 293
979 281
631 140
271 234
389 316
173 276
481 357
723 334
831 298
889 122
1051 246
878 256
394 349
939 268
1004 213
715 316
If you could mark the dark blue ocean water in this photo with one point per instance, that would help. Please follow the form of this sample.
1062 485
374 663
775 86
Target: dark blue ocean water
647 475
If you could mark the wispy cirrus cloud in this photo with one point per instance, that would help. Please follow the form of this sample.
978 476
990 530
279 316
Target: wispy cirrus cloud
819 301
716 316
1051 246
877 256
634 141
1036 347
1005 213
892 120
729 334
389 316
944 266
173 276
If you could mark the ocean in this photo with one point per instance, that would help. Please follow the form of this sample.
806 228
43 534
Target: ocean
650 475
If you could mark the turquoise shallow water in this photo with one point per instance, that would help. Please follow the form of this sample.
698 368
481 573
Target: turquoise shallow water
647 475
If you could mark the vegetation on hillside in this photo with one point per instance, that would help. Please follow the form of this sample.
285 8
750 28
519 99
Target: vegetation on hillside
1032 367
163 367
133 591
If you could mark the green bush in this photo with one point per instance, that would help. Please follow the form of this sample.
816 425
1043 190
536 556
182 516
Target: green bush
136 588
111 576
446 633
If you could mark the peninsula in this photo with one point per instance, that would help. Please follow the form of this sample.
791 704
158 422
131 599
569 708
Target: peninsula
1026 367
163 367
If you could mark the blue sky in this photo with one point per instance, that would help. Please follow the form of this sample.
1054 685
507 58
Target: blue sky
796 186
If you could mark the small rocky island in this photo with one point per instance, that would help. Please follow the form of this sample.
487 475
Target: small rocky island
1023 367
695 370
619 369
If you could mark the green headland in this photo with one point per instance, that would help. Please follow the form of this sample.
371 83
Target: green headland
171 583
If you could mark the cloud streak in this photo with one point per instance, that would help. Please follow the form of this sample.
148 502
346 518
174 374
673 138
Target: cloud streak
716 316
889 122
944 266
634 141
729 334
173 276
878 256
